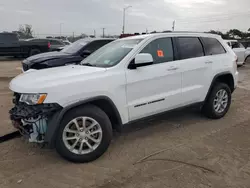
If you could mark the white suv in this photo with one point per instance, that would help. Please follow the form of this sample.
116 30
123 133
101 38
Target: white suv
76 107
242 53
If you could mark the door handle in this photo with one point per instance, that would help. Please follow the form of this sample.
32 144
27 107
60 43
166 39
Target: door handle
173 68
208 62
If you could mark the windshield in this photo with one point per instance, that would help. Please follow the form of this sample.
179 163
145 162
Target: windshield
111 54
74 47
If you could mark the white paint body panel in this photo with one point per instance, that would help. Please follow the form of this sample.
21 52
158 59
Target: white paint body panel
174 84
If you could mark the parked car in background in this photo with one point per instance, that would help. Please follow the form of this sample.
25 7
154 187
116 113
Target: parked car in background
66 42
55 44
10 45
75 108
242 53
71 54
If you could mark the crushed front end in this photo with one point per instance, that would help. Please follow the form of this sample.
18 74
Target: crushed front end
32 120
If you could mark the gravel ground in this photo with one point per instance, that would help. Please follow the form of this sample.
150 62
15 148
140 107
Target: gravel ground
177 149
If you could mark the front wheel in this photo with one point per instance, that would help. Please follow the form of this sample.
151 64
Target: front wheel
218 102
84 134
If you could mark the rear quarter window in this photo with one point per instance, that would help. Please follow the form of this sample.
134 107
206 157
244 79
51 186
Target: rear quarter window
212 46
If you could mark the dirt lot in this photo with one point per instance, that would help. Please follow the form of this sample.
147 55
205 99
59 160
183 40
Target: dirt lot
184 149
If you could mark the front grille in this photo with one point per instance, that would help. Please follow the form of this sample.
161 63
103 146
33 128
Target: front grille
25 67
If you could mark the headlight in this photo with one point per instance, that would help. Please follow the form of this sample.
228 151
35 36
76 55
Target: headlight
32 99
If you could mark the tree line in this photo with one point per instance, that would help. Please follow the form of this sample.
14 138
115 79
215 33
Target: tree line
233 34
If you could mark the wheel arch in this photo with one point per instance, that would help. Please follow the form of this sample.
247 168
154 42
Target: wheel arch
224 77
103 102
248 56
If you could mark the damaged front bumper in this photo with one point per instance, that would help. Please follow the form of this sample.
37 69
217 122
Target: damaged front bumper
32 120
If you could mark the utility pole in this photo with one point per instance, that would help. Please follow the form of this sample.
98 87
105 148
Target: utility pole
124 14
103 32
94 33
173 25
73 36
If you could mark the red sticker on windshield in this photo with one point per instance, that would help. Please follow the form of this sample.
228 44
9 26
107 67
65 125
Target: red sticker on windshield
160 53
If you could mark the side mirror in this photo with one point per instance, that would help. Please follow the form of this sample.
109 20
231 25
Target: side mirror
141 60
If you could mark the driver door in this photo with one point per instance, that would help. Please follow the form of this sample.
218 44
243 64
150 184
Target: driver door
154 88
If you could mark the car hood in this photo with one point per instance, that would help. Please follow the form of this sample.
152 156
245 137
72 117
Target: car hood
42 80
39 58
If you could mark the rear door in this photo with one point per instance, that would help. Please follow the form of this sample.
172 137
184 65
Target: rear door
196 69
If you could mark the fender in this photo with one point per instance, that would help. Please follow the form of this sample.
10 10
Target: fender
54 121
214 80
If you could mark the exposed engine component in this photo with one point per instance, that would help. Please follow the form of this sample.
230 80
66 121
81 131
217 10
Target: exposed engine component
36 128
32 120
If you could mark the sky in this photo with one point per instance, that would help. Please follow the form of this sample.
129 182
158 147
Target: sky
85 16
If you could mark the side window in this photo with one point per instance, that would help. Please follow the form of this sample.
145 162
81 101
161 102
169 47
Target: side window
190 47
161 50
235 45
213 46
7 38
95 45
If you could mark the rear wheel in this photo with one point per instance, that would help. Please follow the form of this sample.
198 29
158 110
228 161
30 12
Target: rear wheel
34 52
218 102
84 134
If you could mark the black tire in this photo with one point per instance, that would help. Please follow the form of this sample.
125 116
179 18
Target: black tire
208 108
103 120
34 51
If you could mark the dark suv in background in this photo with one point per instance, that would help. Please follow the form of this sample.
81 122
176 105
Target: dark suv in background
10 45
71 54
55 44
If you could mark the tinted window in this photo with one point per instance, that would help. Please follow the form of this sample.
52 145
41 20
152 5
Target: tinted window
213 46
95 45
235 45
160 49
190 47
8 38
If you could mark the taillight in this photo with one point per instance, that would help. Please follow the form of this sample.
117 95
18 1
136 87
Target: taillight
49 44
